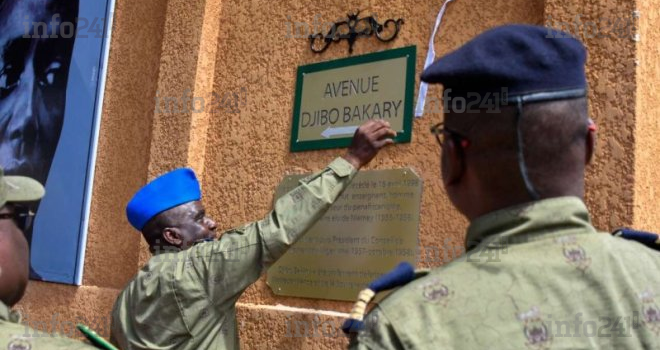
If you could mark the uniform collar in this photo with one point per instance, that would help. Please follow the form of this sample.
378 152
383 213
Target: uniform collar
529 222
166 249
172 249
7 315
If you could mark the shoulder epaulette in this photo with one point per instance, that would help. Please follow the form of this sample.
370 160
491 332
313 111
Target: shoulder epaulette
400 275
649 239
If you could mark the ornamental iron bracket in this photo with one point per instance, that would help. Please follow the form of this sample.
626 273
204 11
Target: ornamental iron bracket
353 28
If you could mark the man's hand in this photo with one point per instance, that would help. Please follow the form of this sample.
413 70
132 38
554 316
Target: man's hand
369 138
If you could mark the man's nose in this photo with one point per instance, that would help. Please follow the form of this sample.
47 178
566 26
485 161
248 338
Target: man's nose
23 128
23 125
211 224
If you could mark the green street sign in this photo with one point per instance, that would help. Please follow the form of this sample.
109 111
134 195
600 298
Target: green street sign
333 98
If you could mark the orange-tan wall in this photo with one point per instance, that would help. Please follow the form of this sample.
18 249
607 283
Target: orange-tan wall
647 127
163 48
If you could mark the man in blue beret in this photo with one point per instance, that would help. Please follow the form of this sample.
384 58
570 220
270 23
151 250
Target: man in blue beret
536 273
184 298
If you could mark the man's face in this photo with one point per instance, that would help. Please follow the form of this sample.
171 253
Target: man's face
191 222
33 79
14 259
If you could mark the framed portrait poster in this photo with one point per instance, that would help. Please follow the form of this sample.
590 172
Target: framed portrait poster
53 60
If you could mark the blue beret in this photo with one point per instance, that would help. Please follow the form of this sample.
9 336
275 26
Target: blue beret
177 187
520 58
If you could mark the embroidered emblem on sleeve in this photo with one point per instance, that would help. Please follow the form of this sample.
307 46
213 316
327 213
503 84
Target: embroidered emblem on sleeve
436 292
535 329
650 311
19 343
574 253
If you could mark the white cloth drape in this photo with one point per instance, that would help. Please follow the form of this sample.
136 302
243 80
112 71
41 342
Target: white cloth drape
430 57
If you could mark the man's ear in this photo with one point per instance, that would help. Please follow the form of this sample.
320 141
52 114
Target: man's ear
454 162
591 142
172 235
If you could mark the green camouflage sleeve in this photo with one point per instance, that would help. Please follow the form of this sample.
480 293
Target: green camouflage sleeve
241 255
378 333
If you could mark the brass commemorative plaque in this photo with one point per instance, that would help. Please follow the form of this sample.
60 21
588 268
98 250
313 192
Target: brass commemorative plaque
372 227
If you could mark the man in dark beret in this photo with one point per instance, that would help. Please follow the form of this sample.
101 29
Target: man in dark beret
16 192
536 273
184 297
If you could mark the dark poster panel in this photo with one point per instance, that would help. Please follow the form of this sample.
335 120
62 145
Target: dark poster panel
52 66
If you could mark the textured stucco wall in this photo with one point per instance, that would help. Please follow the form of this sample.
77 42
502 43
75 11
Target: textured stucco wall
223 46
180 128
647 126
611 75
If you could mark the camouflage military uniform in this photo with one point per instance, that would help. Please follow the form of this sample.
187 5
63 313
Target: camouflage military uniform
536 276
186 300
15 336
